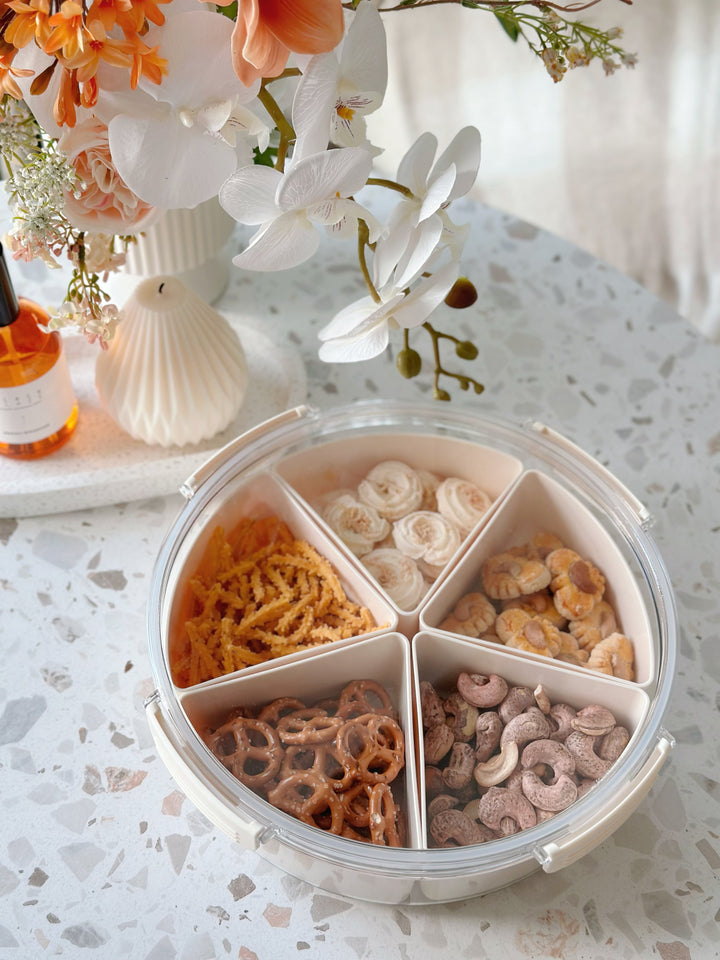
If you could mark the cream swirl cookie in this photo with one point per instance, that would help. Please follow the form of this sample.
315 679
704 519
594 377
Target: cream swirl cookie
462 502
426 536
430 482
358 525
398 575
392 488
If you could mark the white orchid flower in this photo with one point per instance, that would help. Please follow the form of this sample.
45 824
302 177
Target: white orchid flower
344 90
416 226
315 191
362 330
175 143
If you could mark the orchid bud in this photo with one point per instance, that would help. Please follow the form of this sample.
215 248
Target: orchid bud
409 363
466 350
462 294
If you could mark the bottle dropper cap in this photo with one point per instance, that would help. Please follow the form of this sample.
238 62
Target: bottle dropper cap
9 308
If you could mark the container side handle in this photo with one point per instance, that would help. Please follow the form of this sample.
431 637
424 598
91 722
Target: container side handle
247 833
196 479
645 518
554 856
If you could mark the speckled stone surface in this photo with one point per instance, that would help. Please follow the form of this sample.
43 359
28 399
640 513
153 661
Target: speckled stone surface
100 853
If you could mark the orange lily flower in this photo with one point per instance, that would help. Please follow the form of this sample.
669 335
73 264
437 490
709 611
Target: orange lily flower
68 30
68 96
147 63
133 19
8 84
106 11
267 31
31 21
99 47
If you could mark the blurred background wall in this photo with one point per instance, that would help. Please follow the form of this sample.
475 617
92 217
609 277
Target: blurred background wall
626 166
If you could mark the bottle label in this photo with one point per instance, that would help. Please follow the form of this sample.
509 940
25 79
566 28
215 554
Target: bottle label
37 409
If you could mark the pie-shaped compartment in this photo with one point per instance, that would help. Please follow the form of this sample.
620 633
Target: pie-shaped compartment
545 698
257 579
353 689
404 504
539 505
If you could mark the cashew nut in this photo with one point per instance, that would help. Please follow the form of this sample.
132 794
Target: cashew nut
434 783
482 691
530 725
542 699
517 700
562 714
459 771
451 828
551 754
443 801
554 796
613 743
497 768
460 716
587 762
488 728
472 810
499 805
438 742
594 720
430 706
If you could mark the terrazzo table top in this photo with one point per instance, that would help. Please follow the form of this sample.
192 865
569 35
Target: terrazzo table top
102 855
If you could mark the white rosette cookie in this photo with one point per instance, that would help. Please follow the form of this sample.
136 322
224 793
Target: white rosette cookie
358 525
430 482
427 537
463 503
398 575
392 488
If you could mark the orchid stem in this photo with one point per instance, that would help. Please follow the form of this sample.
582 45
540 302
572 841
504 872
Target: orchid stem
391 185
287 134
363 243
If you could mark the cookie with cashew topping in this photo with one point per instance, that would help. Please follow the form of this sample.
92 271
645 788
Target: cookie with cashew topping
594 626
519 631
577 584
472 615
505 576
614 656
540 605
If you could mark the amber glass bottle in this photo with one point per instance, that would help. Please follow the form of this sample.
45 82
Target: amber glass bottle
38 410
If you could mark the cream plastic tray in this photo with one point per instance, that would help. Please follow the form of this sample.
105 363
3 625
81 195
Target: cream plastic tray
537 481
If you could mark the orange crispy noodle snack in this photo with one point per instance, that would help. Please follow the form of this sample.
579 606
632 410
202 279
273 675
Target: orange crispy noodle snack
257 595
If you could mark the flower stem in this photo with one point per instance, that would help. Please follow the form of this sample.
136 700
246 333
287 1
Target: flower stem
287 134
363 243
391 185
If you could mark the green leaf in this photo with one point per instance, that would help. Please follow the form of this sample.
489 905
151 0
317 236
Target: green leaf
266 158
230 11
508 23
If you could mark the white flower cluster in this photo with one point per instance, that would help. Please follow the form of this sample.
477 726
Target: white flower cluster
98 327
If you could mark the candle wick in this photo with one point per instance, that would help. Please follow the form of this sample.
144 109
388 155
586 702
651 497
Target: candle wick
160 288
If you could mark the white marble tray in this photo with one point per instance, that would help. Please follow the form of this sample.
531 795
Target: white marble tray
101 464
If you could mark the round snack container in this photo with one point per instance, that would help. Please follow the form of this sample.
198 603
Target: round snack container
536 480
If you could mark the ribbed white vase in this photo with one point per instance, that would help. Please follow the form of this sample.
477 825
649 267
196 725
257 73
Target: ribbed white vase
175 371
188 244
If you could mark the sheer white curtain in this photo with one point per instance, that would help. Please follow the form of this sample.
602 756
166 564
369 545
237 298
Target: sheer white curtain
626 166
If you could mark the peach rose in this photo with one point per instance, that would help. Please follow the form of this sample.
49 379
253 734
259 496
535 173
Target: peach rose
105 204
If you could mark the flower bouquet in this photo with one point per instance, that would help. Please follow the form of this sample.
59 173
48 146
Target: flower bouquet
115 110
